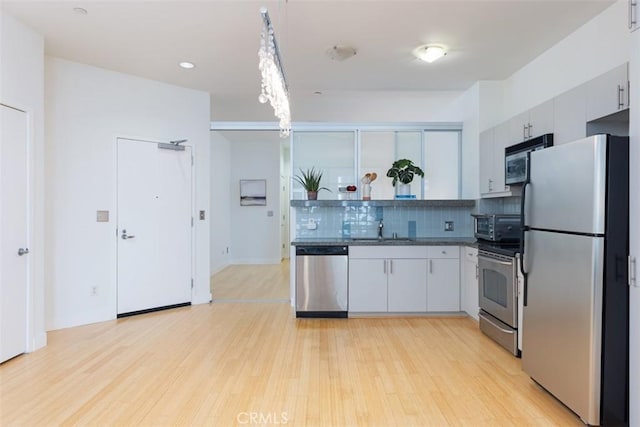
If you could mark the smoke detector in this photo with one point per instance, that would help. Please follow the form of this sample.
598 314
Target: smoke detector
340 52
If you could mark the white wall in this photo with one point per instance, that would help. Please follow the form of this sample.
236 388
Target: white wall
87 109
255 237
220 211
351 106
22 86
595 48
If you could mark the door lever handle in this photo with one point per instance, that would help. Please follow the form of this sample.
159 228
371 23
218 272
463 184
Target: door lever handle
23 251
125 236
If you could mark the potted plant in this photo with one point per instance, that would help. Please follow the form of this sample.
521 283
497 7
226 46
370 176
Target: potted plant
310 181
402 172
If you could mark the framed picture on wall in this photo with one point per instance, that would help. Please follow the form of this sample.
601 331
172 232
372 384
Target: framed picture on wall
253 192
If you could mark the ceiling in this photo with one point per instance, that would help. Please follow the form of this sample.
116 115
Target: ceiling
487 40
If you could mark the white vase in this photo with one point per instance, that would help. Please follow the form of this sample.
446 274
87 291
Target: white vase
366 191
403 189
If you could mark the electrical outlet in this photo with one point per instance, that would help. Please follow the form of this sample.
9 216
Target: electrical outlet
448 226
94 291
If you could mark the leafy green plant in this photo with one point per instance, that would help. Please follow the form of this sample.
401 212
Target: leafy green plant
310 180
404 170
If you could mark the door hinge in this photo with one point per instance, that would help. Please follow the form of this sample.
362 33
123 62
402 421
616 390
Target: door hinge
632 272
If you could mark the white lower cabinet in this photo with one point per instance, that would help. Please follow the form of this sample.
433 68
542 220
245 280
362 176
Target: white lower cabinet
443 279
367 285
407 285
404 279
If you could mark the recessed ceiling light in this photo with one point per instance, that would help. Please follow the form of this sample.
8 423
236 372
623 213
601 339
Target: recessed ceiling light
317 92
429 52
187 65
80 10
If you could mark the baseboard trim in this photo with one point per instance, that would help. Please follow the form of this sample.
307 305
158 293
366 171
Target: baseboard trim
151 310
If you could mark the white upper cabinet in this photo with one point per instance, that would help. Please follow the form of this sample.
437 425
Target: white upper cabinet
633 15
570 116
608 93
537 121
492 145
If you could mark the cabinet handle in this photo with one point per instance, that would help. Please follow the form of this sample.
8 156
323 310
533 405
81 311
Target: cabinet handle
628 93
477 271
430 266
632 272
390 266
384 266
524 132
620 96
529 129
632 19
490 186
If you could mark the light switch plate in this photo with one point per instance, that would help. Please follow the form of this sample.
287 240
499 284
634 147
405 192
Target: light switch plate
448 226
102 216
201 215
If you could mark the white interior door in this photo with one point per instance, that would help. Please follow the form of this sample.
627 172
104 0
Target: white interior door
154 226
13 232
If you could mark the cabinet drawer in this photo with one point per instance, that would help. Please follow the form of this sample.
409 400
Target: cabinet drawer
443 252
407 252
470 254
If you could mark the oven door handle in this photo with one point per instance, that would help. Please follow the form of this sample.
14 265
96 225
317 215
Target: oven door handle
495 260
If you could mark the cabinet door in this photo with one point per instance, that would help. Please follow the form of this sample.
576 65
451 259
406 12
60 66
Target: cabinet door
500 142
608 93
518 129
407 285
367 285
469 284
443 285
570 116
486 160
541 119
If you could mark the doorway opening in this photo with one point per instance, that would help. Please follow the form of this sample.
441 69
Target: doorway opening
249 241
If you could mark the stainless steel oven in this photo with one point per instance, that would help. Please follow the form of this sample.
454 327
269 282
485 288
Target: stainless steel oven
498 297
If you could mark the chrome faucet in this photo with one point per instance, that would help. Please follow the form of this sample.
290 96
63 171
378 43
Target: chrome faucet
380 227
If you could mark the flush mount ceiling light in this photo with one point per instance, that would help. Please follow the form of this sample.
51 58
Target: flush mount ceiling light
340 52
274 83
187 65
80 10
429 52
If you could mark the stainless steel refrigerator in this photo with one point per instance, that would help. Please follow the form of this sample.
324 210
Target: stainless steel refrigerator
575 324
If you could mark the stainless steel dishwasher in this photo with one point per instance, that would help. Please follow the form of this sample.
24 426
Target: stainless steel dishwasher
322 281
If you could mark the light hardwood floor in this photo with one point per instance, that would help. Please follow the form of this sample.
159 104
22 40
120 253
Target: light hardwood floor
252 282
231 364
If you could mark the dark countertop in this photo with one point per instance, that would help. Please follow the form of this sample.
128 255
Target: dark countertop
418 241
418 203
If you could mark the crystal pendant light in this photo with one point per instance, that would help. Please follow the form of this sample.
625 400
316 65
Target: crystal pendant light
274 85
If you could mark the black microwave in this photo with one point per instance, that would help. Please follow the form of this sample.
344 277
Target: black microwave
515 157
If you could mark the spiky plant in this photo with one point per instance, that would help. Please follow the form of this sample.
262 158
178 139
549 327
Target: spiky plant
310 180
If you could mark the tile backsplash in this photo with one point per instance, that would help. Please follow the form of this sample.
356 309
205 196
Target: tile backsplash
362 221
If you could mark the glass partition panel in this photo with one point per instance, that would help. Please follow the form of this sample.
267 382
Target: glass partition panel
378 151
442 164
332 153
